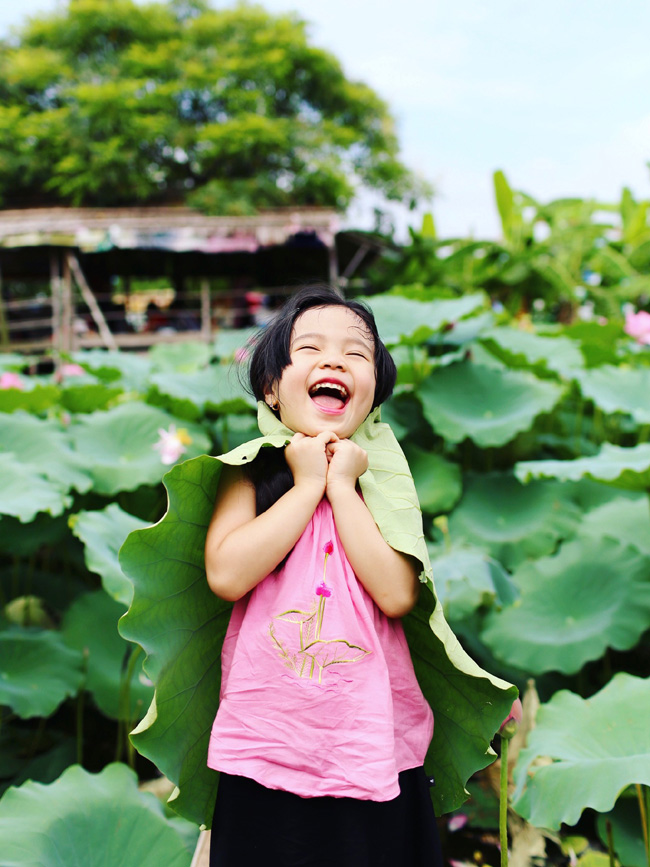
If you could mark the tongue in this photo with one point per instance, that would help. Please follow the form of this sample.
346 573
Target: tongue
326 401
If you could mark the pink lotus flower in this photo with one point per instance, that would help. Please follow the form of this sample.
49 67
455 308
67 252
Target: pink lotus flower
323 590
71 370
511 723
172 443
241 354
10 380
637 325
328 547
457 821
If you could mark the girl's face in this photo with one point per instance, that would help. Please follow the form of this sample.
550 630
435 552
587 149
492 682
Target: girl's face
330 382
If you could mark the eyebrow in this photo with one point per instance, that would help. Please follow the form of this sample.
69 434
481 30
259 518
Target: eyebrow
311 334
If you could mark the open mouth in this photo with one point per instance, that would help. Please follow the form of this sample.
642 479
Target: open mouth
329 395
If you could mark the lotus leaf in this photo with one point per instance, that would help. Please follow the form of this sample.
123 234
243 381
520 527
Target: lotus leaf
43 445
88 820
24 539
176 618
102 533
88 397
34 400
403 320
622 518
468 579
466 330
185 357
627 834
621 467
483 404
437 481
216 388
521 348
25 491
598 747
90 624
181 626
37 671
590 596
597 341
618 389
118 445
126 369
513 521
228 341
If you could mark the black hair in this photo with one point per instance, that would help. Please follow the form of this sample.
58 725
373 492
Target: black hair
271 348
271 354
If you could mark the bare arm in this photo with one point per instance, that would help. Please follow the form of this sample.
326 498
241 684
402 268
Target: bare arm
241 547
387 575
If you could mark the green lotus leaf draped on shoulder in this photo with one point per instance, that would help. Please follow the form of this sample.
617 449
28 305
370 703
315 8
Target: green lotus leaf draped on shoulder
180 624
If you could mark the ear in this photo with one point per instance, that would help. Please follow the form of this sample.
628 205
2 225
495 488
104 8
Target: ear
271 401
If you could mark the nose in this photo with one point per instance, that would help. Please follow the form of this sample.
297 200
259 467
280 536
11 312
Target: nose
333 361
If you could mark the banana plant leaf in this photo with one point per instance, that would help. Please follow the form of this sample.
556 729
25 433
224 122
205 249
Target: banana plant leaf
618 389
102 533
180 625
486 405
113 670
597 746
621 467
513 521
37 671
590 596
88 820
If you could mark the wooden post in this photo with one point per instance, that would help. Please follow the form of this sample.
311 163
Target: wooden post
333 264
55 288
67 309
91 301
206 313
4 326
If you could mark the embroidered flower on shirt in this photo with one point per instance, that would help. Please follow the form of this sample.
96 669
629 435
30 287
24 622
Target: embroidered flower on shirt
314 654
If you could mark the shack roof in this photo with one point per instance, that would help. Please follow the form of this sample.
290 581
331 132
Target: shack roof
180 229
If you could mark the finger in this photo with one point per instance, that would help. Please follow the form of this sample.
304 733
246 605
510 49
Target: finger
327 436
297 437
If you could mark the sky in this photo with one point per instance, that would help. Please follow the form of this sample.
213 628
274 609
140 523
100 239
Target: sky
554 93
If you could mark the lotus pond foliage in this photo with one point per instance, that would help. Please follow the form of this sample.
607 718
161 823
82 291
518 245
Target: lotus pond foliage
522 405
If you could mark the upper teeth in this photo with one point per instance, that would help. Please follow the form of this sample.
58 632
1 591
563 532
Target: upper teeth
335 385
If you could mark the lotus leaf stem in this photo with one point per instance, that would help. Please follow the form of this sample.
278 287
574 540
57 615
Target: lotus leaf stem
503 803
643 810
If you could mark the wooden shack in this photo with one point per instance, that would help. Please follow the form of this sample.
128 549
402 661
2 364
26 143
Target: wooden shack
72 278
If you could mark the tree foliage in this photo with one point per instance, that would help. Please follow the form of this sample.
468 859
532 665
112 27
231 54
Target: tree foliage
109 102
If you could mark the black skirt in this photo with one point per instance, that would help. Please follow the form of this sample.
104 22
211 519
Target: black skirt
258 827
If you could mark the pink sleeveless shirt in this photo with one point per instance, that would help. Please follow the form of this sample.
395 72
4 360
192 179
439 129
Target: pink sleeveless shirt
318 692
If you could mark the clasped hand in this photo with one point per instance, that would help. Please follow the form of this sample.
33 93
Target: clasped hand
325 460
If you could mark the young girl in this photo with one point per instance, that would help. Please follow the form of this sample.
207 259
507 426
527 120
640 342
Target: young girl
322 729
